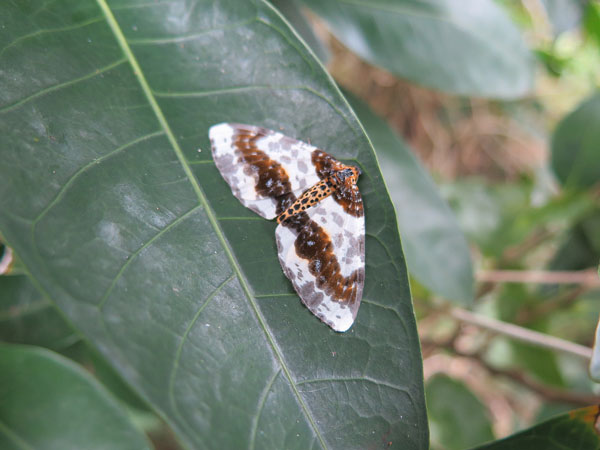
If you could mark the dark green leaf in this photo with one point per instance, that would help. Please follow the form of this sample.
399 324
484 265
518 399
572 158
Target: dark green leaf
111 198
576 430
48 402
581 246
436 250
449 45
292 12
457 417
576 146
26 317
540 362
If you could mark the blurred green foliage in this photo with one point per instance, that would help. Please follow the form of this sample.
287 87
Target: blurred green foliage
521 224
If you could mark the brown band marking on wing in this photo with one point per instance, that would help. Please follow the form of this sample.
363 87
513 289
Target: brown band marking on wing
272 181
325 164
314 244
349 198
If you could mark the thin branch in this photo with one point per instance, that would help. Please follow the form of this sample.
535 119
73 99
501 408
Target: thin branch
549 393
522 334
588 277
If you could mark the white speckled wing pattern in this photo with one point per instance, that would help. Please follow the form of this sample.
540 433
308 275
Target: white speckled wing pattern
235 148
331 293
321 249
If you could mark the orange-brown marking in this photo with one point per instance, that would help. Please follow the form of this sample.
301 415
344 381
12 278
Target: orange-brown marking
341 182
327 168
309 198
337 179
314 244
273 180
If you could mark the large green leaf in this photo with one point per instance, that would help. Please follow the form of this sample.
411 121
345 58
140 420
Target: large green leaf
466 47
26 317
48 402
576 146
458 418
111 199
576 430
436 250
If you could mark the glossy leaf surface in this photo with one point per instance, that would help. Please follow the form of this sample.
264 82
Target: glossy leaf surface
577 430
112 200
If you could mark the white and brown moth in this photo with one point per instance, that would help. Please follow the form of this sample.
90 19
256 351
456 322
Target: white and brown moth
321 231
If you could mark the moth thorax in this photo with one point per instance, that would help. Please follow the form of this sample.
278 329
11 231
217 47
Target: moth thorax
349 174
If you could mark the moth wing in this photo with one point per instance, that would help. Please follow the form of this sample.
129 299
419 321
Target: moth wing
265 169
322 252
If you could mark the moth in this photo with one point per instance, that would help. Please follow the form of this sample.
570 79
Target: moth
321 226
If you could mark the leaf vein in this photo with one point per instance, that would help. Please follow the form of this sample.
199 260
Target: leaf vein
61 85
14 437
49 31
132 257
261 404
184 338
355 379
210 214
189 37
85 168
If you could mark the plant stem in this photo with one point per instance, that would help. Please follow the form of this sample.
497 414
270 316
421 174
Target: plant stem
521 334
549 393
587 277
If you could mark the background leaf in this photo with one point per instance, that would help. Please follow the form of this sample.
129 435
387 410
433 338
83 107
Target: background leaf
595 361
448 45
564 14
435 247
576 146
48 402
112 201
575 431
26 317
458 419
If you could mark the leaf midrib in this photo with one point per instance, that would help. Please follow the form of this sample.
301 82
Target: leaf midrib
120 37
